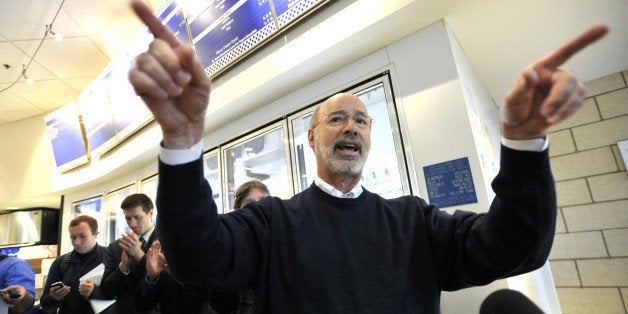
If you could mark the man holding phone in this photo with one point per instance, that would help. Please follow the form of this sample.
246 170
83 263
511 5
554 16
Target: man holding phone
125 261
64 290
17 284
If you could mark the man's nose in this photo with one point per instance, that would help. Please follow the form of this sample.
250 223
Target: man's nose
350 126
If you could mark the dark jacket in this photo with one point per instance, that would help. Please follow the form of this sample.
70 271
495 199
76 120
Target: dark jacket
117 285
172 296
77 266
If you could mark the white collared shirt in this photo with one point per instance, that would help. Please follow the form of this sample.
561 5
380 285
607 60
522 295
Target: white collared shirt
329 189
147 235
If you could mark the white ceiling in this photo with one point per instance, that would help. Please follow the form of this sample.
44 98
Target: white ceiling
94 31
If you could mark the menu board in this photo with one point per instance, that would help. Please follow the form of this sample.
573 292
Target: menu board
227 30
171 14
66 137
288 11
128 111
111 109
221 31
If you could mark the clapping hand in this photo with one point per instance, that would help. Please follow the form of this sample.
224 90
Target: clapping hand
132 245
155 261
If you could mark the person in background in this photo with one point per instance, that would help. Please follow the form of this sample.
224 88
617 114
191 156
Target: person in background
17 284
337 247
252 190
74 295
125 259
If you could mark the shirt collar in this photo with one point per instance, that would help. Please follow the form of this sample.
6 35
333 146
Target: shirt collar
329 189
148 233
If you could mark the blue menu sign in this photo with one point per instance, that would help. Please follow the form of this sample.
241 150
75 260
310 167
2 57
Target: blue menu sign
227 29
450 183
288 11
65 135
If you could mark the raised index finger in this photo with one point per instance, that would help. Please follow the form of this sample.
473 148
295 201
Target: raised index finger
154 24
559 56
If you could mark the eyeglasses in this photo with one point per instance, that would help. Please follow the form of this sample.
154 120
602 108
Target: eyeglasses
362 121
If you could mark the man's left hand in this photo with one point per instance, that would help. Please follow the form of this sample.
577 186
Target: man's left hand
545 95
86 288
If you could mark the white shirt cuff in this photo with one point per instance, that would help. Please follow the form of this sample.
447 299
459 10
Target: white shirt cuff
534 145
175 157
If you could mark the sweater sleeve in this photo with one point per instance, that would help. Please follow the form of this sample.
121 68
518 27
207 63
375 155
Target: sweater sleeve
198 247
513 237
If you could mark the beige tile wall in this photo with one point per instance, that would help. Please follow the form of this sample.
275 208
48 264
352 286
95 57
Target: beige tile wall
589 259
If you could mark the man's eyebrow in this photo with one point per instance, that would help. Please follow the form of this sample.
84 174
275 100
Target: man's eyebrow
338 112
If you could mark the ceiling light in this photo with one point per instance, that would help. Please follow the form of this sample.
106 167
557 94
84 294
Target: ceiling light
58 37
28 80
12 207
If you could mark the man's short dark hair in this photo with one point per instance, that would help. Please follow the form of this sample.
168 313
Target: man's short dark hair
139 199
91 221
244 190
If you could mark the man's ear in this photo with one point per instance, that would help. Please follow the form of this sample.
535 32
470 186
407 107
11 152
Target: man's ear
310 137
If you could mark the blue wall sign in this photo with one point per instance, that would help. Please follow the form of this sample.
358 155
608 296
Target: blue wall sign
450 183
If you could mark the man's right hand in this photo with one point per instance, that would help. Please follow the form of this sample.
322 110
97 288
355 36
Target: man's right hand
19 304
171 80
124 263
58 293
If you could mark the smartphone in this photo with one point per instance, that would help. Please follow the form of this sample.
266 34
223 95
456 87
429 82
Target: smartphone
12 293
57 284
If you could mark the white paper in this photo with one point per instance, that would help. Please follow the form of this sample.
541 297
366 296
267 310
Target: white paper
100 305
95 275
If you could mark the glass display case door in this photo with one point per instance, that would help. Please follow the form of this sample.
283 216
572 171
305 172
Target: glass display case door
212 173
263 156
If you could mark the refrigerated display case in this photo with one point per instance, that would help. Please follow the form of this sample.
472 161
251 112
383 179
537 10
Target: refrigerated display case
117 223
148 186
211 165
261 156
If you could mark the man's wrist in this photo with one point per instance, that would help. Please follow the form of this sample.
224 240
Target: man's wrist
180 156
532 145
124 269
152 279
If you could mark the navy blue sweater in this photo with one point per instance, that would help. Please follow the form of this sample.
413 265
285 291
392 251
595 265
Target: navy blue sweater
315 253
